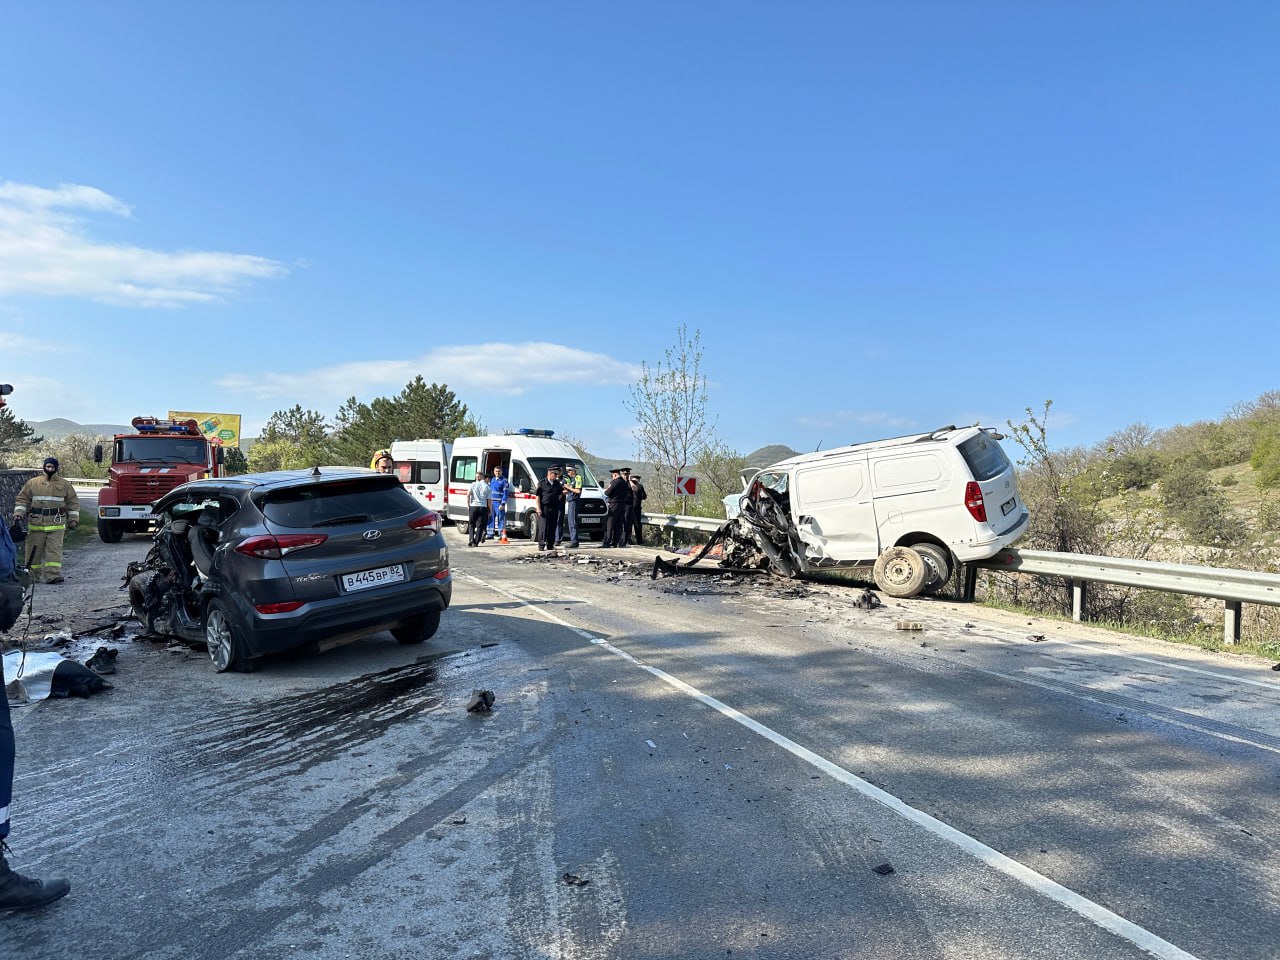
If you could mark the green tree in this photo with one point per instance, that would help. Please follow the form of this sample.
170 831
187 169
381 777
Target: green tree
291 439
669 404
234 462
15 435
420 410
719 473
1199 508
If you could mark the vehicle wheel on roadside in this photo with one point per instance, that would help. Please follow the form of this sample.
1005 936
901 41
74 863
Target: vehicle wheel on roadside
418 629
109 531
901 572
464 526
531 524
226 646
939 563
138 589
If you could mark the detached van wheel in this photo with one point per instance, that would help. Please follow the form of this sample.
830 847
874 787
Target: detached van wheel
531 524
226 647
901 572
110 531
418 629
939 565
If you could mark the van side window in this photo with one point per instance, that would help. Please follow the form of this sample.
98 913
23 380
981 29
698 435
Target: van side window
520 478
464 469
404 472
426 471
984 457
907 471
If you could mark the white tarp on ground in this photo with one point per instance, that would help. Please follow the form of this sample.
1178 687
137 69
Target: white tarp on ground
36 672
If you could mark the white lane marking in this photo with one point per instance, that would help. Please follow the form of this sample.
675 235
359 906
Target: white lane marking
1096 913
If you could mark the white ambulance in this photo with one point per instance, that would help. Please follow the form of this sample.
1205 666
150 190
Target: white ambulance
524 457
421 466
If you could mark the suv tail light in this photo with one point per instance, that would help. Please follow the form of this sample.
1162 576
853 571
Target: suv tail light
974 503
275 548
429 519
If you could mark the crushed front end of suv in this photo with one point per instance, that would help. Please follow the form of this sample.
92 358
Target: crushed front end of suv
260 563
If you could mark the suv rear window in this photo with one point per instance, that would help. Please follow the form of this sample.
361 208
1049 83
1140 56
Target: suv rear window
984 457
335 504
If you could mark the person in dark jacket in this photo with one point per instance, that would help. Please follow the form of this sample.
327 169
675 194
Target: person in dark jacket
16 891
549 496
638 496
615 495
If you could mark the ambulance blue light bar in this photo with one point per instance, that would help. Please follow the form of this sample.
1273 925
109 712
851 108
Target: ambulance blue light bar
531 432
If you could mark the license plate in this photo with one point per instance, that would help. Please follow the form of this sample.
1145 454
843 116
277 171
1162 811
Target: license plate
372 578
1008 505
588 521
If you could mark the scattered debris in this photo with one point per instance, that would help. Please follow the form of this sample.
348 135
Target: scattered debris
910 625
458 821
481 701
574 880
1035 637
652 745
867 600
59 639
884 869
1276 667
15 691
103 661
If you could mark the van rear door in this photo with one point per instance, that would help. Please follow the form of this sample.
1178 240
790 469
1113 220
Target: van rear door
993 474
832 506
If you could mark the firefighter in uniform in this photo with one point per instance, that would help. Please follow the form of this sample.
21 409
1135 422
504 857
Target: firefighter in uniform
50 505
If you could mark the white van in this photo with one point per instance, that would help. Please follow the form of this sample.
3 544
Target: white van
421 466
524 457
911 506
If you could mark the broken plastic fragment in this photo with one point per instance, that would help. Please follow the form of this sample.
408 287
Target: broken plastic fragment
481 701
884 869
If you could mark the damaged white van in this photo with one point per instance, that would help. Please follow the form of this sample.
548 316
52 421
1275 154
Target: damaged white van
910 507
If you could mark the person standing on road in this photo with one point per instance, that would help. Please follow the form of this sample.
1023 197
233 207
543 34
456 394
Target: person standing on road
17 892
627 501
50 506
615 499
499 493
549 497
638 496
572 494
478 502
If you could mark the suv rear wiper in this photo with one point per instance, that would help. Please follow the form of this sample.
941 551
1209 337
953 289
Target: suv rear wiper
338 521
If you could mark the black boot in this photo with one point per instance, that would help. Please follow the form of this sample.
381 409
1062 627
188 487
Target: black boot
24 893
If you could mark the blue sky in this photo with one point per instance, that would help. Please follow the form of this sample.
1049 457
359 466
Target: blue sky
881 217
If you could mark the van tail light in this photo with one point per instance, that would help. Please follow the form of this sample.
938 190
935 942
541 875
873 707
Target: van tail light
974 503
275 548
430 519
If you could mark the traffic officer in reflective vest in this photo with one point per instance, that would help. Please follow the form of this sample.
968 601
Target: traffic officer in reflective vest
50 505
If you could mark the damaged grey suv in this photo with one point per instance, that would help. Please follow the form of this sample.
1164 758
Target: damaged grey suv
255 564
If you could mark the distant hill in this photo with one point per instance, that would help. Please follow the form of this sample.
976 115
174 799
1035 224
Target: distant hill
769 455
59 428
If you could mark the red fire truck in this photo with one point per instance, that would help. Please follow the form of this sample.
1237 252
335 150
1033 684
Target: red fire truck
146 465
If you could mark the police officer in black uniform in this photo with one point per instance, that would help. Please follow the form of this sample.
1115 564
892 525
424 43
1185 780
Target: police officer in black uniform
550 498
616 495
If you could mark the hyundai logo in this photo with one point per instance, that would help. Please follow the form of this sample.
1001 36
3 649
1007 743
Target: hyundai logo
372 534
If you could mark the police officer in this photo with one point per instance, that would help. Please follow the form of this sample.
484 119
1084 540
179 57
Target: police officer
638 496
549 494
50 506
615 495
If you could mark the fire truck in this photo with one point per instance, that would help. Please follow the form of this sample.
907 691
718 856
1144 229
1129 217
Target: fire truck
147 464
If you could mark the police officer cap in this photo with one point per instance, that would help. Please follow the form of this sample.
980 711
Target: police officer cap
54 461
614 470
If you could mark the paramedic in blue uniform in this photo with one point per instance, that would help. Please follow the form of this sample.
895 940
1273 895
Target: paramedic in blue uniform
499 493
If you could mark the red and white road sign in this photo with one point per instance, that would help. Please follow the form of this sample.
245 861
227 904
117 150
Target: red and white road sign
686 486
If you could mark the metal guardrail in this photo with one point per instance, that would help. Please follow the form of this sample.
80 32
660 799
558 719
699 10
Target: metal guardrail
86 482
1232 587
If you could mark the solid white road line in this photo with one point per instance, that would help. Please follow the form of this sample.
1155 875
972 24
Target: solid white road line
1096 913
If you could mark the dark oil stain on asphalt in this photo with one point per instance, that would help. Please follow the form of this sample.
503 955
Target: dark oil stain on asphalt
295 733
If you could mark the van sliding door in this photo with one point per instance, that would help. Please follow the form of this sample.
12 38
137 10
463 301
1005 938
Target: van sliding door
831 503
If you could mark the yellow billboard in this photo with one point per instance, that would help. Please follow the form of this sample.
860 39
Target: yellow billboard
222 427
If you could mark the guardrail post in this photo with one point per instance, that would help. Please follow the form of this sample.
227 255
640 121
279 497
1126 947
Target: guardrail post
1077 600
970 583
1231 622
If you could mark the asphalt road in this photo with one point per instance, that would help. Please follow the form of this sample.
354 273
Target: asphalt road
683 768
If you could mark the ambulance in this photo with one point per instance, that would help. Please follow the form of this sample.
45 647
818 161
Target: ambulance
421 466
524 457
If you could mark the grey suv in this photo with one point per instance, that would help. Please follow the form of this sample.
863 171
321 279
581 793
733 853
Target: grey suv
264 562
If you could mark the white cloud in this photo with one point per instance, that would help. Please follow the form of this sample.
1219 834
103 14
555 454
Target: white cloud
15 343
508 369
839 418
45 250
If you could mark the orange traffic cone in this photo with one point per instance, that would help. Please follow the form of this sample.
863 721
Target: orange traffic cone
504 537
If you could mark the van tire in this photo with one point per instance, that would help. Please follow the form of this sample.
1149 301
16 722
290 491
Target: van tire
939 563
531 524
901 572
